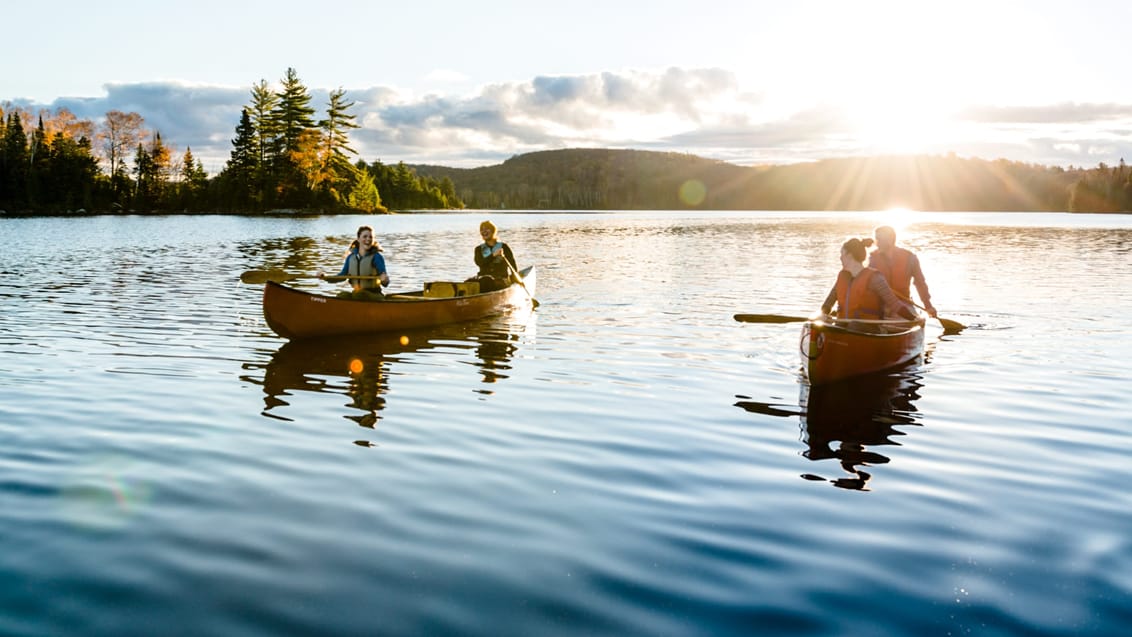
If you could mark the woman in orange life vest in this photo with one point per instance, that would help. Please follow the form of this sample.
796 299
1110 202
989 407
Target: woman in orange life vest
364 259
900 267
860 292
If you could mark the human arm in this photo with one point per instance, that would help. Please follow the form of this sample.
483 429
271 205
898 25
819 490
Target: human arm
343 272
892 303
921 284
830 300
379 266
510 257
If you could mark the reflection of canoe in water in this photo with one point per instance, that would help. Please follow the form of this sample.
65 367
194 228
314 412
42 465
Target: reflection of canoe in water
834 350
358 365
296 314
847 420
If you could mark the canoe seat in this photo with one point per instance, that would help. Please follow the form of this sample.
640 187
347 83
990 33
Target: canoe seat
449 289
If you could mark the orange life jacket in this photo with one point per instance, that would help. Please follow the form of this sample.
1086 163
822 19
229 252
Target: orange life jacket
854 298
896 266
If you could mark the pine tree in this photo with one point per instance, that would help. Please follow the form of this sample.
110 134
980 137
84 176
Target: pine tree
193 182
161 161
143 179
338 174
243 168
293 118
293 114
13 164
39 167
263 125
364 195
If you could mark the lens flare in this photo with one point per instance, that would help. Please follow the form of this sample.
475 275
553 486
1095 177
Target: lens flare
693 192
105 494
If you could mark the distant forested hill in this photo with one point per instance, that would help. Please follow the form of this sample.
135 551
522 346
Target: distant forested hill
604 179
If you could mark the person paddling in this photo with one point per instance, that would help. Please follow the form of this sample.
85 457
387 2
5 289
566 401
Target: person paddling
364 259
861 292
495 260
900 267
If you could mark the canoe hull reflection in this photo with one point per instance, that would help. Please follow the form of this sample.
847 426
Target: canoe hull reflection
297 314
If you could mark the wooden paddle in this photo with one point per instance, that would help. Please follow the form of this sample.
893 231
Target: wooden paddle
769 318
259 277
534 301
779 318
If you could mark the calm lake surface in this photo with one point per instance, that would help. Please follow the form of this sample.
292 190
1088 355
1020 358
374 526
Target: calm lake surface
625 460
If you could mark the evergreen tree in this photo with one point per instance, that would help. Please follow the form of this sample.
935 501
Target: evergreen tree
39 166
13 164
264 131
261 113
242 172
364 195
338 174
73 172
293 114
161 162
194 181
293 119
144 180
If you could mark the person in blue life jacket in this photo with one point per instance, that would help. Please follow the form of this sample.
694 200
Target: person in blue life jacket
364 259
495 260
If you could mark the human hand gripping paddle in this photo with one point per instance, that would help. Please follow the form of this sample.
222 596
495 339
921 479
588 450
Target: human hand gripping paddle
259 277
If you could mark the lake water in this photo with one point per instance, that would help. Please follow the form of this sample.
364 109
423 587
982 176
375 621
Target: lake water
625 460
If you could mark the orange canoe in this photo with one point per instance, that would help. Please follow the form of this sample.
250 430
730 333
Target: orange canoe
833 349
297 314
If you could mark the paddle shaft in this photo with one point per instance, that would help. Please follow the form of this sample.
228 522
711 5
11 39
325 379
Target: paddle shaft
281 276
948 324
779 318
534 301
769 318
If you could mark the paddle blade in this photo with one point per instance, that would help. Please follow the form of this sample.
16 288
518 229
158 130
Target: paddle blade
769 318
259 277
950 326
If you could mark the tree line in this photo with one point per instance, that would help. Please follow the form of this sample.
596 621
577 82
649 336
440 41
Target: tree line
607 179
281 158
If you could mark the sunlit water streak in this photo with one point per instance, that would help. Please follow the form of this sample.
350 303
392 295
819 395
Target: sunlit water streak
626 460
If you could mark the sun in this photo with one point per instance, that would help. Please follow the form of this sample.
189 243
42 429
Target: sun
894 123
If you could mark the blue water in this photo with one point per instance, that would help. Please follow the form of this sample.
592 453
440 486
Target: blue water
627 459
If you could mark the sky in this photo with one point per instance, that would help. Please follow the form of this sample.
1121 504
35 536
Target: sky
470 84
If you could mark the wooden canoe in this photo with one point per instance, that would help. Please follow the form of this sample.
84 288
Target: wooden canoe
297 314
833 349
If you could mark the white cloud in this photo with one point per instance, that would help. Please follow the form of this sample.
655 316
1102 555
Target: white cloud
700 111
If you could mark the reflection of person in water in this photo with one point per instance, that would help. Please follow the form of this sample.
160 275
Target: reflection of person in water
304 365
494 351
367 384
857 414
358 365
